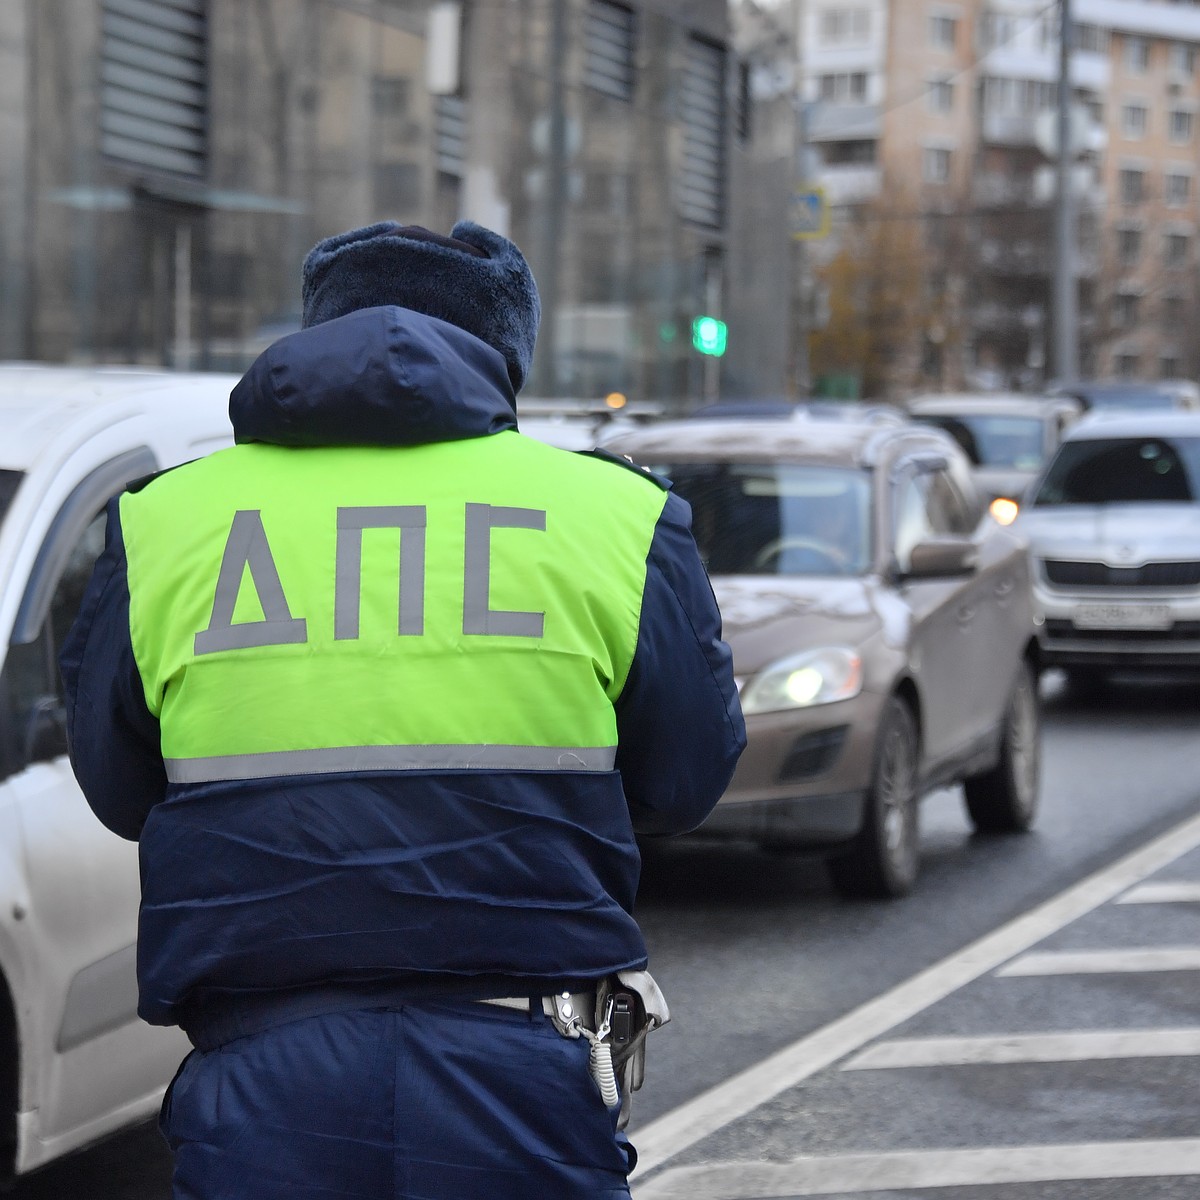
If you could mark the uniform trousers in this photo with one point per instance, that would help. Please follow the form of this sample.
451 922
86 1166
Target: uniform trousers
437 1100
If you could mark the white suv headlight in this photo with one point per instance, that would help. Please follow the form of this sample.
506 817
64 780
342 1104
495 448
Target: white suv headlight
804 680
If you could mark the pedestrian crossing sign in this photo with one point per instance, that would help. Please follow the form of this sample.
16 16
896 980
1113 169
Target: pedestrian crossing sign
810 213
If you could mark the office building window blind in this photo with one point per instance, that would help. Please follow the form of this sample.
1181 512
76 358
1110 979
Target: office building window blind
608 49
703 104
154 84
450 134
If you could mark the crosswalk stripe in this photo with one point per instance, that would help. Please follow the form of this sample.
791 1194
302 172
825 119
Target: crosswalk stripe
1104 962
1027 1048
694 1120
911 1169
1168 892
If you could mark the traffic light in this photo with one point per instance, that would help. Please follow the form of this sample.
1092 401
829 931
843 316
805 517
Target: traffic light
709 335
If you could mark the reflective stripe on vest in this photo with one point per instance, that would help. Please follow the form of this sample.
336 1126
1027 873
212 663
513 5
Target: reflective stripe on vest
361 609
336 759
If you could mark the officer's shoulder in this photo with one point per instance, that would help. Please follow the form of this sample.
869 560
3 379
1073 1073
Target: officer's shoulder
142 482
627 463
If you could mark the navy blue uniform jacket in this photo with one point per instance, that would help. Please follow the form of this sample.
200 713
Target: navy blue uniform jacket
268 899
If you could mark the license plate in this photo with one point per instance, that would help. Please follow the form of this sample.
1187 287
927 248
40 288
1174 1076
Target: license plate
1123 616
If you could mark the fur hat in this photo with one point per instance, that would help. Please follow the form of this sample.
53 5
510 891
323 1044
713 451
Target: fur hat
474 279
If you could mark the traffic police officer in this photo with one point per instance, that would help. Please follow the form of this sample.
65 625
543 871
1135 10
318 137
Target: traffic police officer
384 691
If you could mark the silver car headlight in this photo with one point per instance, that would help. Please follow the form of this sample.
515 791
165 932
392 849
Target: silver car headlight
805 680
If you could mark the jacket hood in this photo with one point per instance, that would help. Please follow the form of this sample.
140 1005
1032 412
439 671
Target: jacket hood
384 376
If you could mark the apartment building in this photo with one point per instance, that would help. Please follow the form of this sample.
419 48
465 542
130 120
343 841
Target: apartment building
941 113
165 165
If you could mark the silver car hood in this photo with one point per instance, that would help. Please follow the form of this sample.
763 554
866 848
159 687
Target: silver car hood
1117 534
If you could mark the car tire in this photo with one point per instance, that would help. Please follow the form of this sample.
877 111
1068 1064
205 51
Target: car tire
1005 799
881 862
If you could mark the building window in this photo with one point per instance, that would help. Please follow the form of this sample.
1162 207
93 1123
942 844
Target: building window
1129 246
856 153
1126 365
940 95
744 120
1179 125
1137 54
840 25
397 189
608 44
703 94
997 29
1018 97
450 134
1092 39
1133 185
1133 121
844 87
390 96
1183 58
1175 249
943 31
154 84
1168 367
936 165
1047 32
1177 189
1174 309
1125 309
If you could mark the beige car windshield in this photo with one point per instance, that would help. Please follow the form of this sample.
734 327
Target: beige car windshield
777 518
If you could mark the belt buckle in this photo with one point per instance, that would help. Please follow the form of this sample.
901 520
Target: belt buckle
571 1011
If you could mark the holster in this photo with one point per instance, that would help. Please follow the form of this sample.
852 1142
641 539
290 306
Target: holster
634 993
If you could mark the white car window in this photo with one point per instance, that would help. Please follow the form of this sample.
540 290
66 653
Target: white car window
31 668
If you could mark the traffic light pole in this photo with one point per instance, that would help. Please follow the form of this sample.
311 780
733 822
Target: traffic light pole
802 285
1066 297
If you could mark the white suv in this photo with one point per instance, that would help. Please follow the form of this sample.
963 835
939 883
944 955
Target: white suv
76 1063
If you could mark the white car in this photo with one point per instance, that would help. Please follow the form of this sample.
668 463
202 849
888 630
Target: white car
76 1062
1114 527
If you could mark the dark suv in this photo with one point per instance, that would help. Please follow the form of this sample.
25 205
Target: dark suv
881 627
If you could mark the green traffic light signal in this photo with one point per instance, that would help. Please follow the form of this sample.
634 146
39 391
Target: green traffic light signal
709 335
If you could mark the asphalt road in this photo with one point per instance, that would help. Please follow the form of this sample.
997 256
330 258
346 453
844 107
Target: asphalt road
756 955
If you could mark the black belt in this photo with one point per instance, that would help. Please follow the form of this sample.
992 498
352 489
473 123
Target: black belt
236 1016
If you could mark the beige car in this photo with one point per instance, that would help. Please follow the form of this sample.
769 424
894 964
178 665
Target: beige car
881 627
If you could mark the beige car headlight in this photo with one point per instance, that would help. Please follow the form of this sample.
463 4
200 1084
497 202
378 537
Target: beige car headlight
805 680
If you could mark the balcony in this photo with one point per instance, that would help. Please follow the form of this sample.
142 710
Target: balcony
851 183
995 190
1022 258
1009 129
843 122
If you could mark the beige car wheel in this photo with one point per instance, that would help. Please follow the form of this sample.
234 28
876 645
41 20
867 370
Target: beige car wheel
1004 799
882 860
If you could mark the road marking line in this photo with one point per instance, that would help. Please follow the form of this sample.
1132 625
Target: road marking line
911 1169
1105 962
1027 1048
1179 892
693 1121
